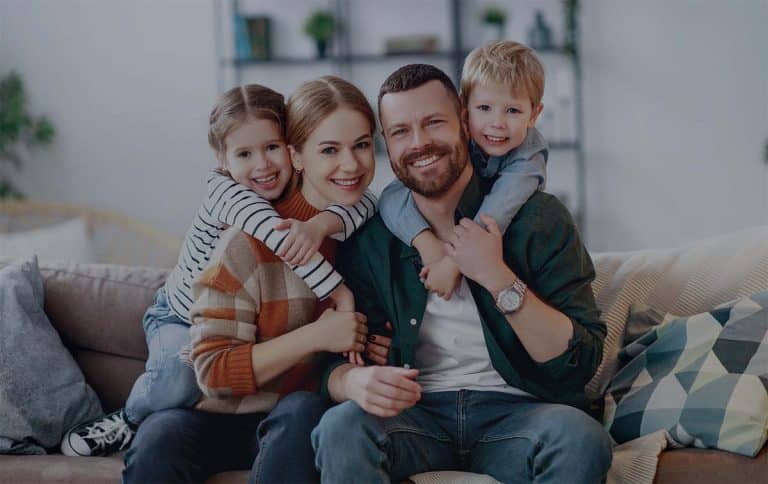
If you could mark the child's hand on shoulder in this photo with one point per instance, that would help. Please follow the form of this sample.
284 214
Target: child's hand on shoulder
441 277
304 238
302 242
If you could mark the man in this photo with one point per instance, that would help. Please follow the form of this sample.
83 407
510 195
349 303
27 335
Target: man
492 380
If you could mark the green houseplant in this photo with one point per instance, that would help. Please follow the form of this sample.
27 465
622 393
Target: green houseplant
493 19
18 129
321 26
494 16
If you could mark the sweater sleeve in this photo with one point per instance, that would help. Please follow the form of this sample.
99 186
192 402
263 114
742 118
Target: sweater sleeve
223 317
238 206
353 217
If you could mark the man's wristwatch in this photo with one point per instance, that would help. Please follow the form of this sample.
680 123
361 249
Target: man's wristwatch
510 298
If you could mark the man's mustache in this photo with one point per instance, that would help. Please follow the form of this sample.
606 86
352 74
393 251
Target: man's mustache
427 151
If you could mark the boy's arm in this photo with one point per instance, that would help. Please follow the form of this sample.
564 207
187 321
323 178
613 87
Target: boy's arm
236 205
353 217
399 213
517 181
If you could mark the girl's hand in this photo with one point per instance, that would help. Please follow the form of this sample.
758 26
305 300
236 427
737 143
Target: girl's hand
302 242
441 277
343 298
377 347
354 357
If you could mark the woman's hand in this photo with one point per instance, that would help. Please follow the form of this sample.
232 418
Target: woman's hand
377 347
339 331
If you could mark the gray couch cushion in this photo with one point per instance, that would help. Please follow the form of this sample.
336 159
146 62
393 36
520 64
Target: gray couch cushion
42 390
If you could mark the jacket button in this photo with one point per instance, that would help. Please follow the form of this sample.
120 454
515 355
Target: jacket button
413 322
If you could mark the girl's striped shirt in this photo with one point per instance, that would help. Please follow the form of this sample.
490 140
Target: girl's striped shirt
228 203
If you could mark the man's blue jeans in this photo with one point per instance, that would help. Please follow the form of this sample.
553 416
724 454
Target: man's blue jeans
182 445
511 438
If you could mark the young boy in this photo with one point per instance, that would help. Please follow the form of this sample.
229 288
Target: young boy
502 84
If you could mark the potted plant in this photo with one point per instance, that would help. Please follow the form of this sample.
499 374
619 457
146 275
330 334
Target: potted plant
18 129
320 26
493 19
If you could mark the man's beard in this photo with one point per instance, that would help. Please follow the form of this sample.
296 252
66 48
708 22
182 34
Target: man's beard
443 181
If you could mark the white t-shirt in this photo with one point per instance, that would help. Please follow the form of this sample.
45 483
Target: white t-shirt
451 354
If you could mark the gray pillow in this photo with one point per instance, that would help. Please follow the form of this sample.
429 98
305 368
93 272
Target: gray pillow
42 390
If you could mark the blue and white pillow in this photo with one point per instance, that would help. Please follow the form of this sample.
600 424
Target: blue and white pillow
703 378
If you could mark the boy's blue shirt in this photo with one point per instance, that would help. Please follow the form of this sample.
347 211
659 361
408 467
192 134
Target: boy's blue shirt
490 166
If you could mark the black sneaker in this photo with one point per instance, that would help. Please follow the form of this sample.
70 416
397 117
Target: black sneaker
103 436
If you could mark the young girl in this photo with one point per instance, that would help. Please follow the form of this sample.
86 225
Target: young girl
258 333
246 132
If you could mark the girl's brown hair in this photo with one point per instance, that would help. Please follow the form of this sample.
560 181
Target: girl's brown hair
236 106
309 105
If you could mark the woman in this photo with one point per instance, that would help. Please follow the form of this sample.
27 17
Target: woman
257 340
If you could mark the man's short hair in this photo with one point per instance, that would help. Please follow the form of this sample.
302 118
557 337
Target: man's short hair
412 76
504 62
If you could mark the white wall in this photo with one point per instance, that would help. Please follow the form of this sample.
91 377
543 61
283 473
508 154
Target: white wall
672 106
676 103
128 85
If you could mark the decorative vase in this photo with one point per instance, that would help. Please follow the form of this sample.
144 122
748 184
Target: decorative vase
540 35
492 32
322 48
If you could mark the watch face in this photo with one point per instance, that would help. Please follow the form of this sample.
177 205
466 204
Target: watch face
510 300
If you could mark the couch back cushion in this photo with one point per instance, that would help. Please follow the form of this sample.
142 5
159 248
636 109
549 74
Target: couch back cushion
684 281
98 310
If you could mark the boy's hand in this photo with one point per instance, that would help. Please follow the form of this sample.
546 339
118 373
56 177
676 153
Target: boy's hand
302 241
441 277
377 347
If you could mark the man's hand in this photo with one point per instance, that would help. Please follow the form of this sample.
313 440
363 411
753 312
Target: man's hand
441 277
384 391
478 252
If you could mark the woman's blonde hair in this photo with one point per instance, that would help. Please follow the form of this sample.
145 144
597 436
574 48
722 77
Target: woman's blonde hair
314 100
238 105
504 62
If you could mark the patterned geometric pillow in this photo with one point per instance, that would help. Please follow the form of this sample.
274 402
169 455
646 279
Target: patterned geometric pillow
703 378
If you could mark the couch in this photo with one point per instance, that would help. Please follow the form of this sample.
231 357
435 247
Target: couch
97 310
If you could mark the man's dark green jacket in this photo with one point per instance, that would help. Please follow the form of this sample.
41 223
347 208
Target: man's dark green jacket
541 246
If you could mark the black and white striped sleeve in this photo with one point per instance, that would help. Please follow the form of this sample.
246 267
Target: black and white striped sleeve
237 205
353 217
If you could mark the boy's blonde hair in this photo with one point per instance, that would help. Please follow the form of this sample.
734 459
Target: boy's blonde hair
504 62
314 100
240 104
